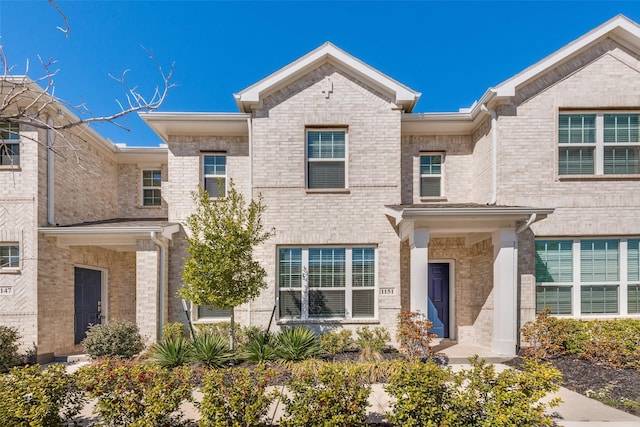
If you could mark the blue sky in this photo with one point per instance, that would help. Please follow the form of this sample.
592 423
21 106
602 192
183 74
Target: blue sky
450 51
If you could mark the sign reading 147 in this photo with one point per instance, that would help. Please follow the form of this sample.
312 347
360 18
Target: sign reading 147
6 290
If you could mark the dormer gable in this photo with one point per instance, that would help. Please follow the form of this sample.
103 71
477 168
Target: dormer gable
404 97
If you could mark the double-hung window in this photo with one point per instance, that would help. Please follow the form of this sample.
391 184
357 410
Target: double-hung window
215 174
151 182
9 256
431 175
587 276
327 282
599 144
9 144
326 159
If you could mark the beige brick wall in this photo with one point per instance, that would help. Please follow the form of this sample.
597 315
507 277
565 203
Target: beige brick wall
130 192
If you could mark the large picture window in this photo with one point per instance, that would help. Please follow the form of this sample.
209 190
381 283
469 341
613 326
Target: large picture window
326 159
585 277
599 144
326 282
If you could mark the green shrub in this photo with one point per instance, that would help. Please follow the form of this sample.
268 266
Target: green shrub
414 335
30 396
173 330
9 354
172 352
119 338
336 396
136 395
422 393
211 350
296 344
333 342
371 342
259 348
235 397
425 394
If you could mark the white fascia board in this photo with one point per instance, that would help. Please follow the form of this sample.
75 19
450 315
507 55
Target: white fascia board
98 232
184 123
620 27
142 155
325 53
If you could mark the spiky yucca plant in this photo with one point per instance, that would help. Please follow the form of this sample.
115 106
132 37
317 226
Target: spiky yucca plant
259 348
211 350
297 343
172 351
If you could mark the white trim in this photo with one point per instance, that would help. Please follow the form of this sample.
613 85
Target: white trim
204 176
143 187
452 292
308 160
440 175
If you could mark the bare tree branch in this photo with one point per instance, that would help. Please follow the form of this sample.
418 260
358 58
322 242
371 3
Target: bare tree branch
66 28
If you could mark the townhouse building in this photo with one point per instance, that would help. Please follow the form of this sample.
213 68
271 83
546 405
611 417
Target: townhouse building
478 218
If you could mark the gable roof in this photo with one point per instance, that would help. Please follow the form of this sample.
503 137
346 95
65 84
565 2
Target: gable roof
619 28
404 97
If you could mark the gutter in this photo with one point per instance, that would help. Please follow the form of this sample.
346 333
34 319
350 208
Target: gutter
162 283
494 153
250 130
50 174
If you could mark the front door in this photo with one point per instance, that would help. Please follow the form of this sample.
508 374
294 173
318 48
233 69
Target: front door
438 309
88 301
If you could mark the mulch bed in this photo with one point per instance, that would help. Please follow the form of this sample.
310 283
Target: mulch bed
584 377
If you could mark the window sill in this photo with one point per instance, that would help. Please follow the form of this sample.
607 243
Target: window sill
327 321
328 191
211 321
10 168
149 207
617 177
10 270
433 199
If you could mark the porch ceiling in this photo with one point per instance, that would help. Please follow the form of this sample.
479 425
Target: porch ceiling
116 234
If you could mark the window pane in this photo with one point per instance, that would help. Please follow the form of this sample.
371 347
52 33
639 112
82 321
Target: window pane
9 154
209 312
577 128
151 178
429 187
554 261
215 165
9 130
621 128
151 198
290 268
633 260
363 301
326 303
363 267
326 144
558 298
326 174
327 268
431 165
633 299
621 160
599 299
215 186
9 256
599 261
290 304
575 161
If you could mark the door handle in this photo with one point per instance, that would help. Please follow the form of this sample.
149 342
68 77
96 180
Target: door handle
99 316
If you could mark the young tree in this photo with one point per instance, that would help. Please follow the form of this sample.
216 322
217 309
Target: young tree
223 233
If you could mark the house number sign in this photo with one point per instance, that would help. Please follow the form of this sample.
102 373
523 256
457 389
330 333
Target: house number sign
387 291
6 290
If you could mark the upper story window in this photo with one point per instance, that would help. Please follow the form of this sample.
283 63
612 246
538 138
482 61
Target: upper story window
151 182
9 144
9 256
215 174
326 159
431 175
599 144
327 282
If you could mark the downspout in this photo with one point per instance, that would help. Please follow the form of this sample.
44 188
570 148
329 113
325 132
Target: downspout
494 154
50 174
526 225
250 131
162 284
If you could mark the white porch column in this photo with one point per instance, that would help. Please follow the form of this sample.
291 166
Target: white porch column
505 281
419 242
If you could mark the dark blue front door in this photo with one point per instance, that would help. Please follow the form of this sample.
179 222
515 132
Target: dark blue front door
88 295
438 309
